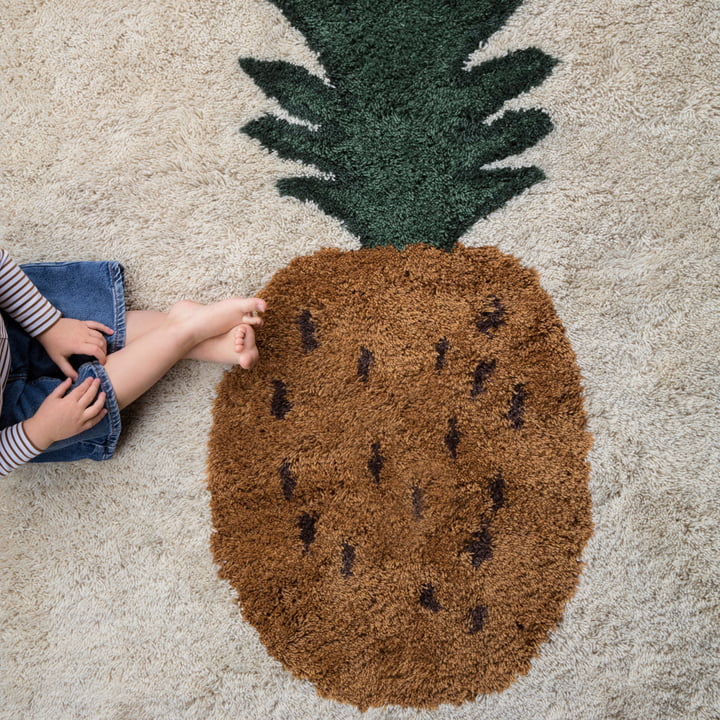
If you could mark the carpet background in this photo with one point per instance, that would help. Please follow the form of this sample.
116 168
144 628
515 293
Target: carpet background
119 138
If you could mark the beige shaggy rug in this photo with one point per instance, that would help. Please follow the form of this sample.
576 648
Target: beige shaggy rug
120 139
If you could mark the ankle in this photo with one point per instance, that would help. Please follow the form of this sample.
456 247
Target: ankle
182 332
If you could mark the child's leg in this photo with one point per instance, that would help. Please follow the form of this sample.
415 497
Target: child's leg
235 347
139 322
142 362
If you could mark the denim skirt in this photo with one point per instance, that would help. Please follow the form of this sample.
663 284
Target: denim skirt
84 291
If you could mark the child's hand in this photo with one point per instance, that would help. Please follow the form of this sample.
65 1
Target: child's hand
62 416
75 337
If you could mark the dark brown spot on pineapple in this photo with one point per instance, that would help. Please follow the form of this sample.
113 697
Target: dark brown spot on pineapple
478 616
417 503
348 560
376 462
497 491
479 546
428 599
452 439
441 349
306 524
365 362
517 407
307 328
280 405
287 480
482 372
491 320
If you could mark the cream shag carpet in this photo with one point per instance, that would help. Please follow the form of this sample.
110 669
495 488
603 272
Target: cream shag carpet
119 138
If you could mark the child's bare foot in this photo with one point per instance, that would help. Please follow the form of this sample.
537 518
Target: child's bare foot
247 352
197 323
235 347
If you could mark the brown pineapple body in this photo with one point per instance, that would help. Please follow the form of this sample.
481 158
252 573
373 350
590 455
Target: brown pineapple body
399 488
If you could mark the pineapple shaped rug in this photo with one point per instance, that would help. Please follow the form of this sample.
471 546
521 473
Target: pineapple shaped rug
399 488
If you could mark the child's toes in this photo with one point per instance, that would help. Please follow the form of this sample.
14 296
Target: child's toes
255 320
247 350
240 333
244 338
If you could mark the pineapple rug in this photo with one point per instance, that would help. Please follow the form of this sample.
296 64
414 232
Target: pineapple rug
409 457
473 476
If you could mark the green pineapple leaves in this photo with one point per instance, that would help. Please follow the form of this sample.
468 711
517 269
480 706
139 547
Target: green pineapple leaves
401 129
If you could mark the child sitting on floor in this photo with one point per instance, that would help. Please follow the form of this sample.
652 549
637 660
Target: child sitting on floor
64 378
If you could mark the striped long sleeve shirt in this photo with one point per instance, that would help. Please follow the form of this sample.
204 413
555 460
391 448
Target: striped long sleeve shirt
22 301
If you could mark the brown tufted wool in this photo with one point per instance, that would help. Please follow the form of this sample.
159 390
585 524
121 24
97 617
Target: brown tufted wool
399 488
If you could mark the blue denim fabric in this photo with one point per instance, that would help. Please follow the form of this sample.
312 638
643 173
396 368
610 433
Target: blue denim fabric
85 291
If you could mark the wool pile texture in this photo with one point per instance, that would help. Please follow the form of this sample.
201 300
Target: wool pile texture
420 514
121 138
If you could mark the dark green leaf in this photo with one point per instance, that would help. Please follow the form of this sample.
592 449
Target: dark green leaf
402 126
303 95
289 141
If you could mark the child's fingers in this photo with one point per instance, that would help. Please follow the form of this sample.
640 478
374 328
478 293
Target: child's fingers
95 337
95 419
86 391
99 326
98 350
90 394
103 412
97 407
62 388
65 367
